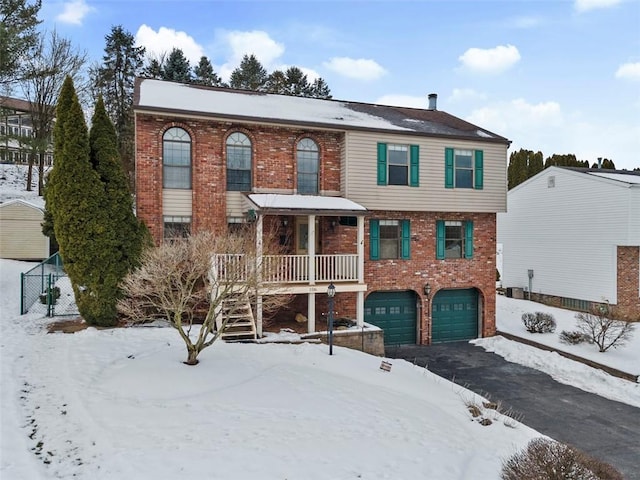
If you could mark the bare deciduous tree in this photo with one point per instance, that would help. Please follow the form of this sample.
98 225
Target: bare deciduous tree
605 331
187 282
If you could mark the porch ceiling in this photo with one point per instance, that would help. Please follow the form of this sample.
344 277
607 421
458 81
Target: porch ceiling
280 204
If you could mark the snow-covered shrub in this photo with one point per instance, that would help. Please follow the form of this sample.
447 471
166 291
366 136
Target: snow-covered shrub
574 337
605 331
539 322
551 460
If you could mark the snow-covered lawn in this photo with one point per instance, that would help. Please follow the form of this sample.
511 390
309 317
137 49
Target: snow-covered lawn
115 404
626 358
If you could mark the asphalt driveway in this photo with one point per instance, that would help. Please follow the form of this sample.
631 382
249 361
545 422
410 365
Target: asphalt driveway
603 428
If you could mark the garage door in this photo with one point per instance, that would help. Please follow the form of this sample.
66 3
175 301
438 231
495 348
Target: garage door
455 315
395 313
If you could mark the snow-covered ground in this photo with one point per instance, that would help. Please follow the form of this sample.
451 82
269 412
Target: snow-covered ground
114 404
13 183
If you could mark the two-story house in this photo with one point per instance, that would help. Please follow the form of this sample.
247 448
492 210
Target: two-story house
394 206
16 132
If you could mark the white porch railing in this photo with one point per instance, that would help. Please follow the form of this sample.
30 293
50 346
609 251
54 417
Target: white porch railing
288 268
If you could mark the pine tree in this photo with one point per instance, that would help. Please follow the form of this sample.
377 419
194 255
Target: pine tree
517 170
320 89
204 74
77 200
18 35
177 68
535 163
297 83
123 237
250 75
154 68
114 80
276 83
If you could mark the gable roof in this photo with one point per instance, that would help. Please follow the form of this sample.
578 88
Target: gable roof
620 178
195 100
25 203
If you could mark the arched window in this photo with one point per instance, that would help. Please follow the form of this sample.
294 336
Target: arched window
307 157
176 159
238 162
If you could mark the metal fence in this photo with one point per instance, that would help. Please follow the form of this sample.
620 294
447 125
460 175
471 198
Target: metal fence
46 289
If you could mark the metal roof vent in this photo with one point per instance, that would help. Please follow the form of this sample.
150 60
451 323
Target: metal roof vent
433 101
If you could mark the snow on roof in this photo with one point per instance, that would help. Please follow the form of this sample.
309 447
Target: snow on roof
275 201
31 204
176 96
343 115
621 177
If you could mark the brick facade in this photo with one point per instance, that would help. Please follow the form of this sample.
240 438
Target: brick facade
628 306
274 167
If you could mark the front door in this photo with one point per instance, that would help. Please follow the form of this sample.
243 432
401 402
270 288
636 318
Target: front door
302 236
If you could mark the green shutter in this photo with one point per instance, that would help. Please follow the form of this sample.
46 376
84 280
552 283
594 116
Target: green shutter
479 170
440 239
382 163
448 168
374 239
406 239
414 172
468 239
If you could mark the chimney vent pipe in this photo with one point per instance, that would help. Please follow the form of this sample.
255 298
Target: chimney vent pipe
433 101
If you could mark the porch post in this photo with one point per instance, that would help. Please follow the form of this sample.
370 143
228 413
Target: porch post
360 309
259 274
360 249
311 249
311 313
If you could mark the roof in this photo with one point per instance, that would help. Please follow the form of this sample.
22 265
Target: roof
274 203
620 178
191 100
15 104
20 201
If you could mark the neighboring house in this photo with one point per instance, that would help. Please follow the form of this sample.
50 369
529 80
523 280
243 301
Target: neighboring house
21 236
16 129
578 230
395 206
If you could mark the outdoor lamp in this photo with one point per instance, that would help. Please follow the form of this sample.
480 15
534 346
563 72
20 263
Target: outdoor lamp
331 290
427 289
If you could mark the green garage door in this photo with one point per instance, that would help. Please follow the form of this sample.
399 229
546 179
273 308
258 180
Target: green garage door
395 313
455 315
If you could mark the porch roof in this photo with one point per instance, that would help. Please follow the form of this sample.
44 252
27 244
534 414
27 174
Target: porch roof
281 204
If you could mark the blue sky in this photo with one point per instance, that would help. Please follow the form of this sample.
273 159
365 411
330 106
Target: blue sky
555 76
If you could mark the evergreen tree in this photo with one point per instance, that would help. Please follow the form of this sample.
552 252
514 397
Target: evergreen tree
250 75
18 35
320 89
76 202
535 163
204 74
517 170
276 83
297 83
114 80
177 68
122 241
154 68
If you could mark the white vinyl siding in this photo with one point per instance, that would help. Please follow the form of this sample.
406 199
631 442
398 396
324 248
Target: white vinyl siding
177 202
21 236
359 179
568 234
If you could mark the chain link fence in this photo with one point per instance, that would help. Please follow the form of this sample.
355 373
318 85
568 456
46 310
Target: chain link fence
46 289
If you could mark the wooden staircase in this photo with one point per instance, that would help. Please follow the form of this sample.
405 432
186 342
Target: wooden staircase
240 324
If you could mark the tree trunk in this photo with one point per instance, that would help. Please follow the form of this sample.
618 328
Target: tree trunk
192 356
29 174
41 174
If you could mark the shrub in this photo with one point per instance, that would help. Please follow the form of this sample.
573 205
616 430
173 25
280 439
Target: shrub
539 322
605 331
551 460
574 338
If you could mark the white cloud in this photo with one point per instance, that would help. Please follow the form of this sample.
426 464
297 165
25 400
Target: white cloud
465 95
586 5
74 12
165 40
399 100
357 68
490 60
236 44
629 71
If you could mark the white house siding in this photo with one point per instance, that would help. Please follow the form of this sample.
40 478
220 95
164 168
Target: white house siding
177 202
360 177
21 235
567 234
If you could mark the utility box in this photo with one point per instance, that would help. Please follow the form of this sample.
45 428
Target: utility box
517 293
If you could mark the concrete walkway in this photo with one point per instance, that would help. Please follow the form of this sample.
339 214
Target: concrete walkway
603 428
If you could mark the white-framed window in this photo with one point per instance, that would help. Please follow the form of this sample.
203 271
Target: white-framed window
398 164
308 160
463 168
390 245
239 162
453 239
176 159
176 227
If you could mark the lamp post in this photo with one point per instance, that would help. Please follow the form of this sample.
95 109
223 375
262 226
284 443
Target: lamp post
331 292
